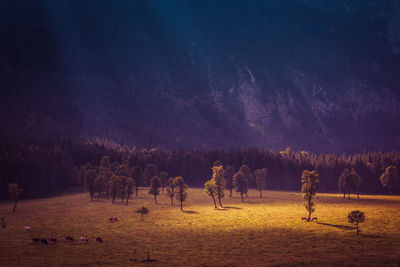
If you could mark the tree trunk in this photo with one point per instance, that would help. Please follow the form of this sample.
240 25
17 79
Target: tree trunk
113 198
172 200
127 199
155 199
181 205
344 195
219 200
260 193
215 203
357 227
246 195
122 196
348 195
230 192
241 194
136 190
15 205
358 197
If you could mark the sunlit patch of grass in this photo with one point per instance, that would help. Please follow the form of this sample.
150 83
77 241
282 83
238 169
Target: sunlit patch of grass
259 232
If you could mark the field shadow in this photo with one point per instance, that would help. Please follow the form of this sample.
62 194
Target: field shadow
371 236
190 212
342 227
234 208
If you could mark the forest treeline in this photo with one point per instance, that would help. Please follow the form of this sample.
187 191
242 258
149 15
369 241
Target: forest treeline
44 167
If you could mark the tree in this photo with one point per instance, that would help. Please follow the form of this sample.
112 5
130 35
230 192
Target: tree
248 176
90 177
210 189
150 171
143 211
163 179
390 178
228 174
130 184
155 187
122 186
104 164
99 185
309 179
261 179
14 191
218 177
137 175
356 217
180 193
171 186
349 181
240 183
115 183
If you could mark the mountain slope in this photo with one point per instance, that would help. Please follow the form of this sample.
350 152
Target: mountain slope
317 75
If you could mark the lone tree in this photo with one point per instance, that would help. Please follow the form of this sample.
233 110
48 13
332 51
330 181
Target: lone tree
14 191
155 184
143 211
137 175
171 187
228 174
90 177
356 217
130 184
245 170
261 179
309 180
164 180
180 193
390 179
150 171
240 183
115 184
349 181
210 189
218 177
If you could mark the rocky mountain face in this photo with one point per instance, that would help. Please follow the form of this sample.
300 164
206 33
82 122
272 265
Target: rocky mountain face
316 75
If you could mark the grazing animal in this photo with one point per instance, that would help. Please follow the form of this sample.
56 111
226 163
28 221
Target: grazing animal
69 238
113 219
314 219
44 241
84 239
35 239
27 228
304 219
3 223
54 240
99 239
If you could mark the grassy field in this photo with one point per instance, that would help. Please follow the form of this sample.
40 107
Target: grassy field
260 232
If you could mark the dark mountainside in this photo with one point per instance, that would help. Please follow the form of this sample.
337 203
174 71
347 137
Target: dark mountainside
315 75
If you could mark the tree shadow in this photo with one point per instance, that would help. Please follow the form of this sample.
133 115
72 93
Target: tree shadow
230 207
190 212
343 227
371 236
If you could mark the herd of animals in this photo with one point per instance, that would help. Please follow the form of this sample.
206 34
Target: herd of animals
53 240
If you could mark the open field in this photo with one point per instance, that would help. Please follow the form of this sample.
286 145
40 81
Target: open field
260 232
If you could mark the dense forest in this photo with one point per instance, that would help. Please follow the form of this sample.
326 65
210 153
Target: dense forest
44 167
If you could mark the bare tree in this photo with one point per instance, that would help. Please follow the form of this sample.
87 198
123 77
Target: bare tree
14 191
